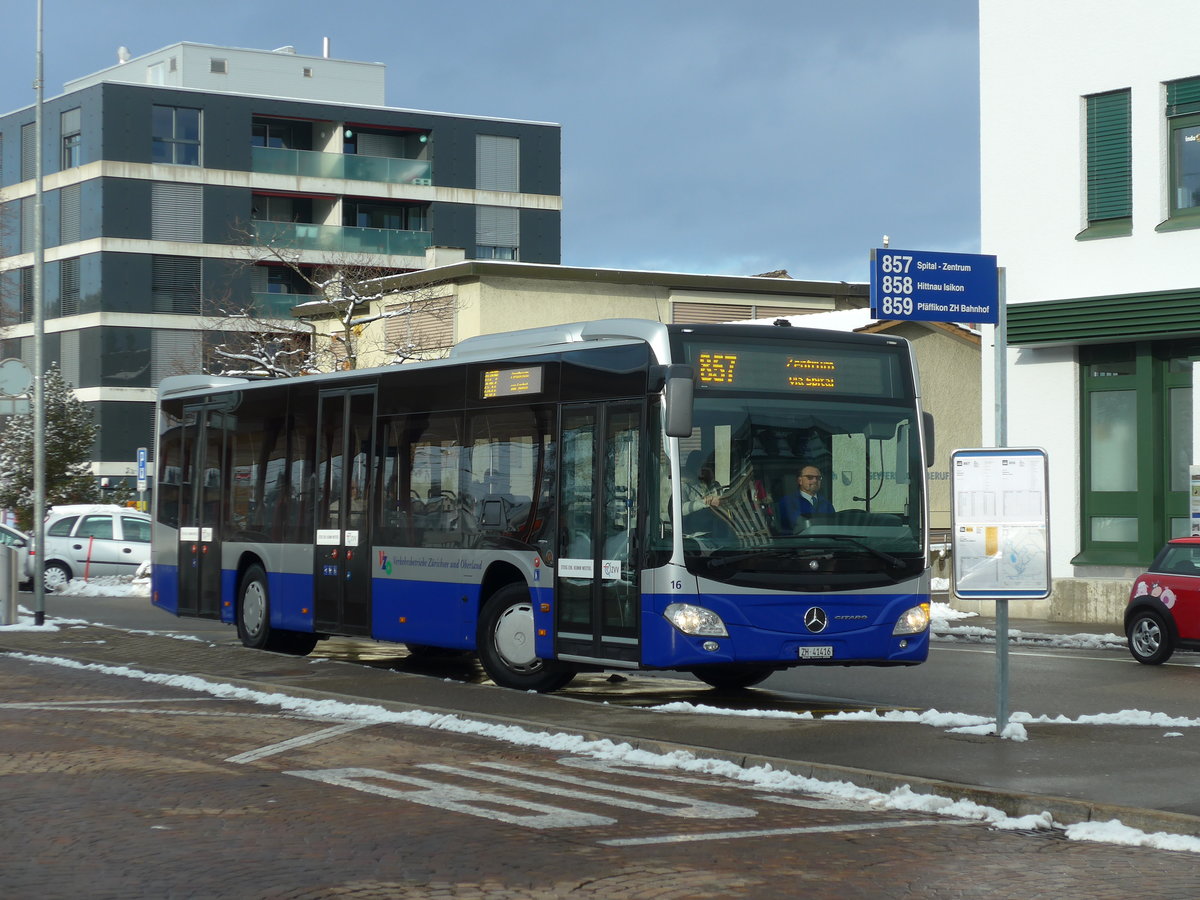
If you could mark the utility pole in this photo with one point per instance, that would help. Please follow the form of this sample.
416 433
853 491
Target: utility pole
39 334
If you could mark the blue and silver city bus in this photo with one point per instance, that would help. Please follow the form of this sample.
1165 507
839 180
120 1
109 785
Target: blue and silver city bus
533 498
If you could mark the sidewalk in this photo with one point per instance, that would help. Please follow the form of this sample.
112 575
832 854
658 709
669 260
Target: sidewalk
1076 772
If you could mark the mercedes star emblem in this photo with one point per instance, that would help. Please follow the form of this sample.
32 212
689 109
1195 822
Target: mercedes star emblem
815 619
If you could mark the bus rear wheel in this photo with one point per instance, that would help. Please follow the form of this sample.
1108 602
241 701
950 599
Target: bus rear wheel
254 619
506 644
733 678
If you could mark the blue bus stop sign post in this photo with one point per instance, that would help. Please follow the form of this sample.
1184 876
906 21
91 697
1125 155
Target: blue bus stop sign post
141 478
921 286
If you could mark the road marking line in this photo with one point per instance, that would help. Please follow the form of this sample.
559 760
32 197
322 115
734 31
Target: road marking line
453 798
767 832
63 704
301 741
599 792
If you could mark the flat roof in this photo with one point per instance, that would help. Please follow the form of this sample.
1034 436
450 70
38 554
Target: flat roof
744 284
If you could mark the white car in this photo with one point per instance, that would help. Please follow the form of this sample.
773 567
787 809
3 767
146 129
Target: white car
92 540
13 537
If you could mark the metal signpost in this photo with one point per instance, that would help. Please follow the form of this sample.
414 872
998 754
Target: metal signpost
141 478
919 285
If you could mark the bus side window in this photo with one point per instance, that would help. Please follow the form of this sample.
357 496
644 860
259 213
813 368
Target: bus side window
398 504
434 477
500 470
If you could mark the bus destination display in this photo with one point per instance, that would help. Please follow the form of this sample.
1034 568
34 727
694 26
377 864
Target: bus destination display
816 374
510 382
808 369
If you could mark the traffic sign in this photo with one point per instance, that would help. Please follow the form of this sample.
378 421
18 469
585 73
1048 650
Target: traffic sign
917 285
141 469
15 378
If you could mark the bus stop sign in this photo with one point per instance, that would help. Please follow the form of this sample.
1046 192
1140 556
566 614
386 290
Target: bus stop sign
917 285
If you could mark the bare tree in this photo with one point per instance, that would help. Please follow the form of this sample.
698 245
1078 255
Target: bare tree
242 340
350 294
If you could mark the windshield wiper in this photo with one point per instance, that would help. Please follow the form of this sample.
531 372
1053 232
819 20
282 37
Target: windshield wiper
893 561
758 553
766 552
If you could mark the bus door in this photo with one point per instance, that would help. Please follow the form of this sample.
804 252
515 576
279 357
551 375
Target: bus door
342 561
201 481
597 587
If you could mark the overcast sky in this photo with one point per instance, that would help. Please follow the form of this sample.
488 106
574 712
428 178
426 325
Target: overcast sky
698 136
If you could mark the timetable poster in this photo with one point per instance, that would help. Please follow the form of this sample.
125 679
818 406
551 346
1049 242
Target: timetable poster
1000 523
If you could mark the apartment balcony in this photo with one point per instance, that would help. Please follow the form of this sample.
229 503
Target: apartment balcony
276 161
269 305
342 239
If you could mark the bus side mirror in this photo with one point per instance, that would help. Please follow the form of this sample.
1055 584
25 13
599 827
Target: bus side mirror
679 392
927 424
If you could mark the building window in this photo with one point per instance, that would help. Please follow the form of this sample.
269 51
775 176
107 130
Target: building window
396 217
28 220
1136 412
69 214
218 66
26 288
485 251
28 151
72 138
1109 165
174 352
176 212
1183 125
497 163
176 136
285 135
497 232
68 276
176 284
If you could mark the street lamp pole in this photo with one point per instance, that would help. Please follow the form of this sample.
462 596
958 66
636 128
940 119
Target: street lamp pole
39 333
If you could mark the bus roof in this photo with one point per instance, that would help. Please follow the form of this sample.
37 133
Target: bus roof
549 338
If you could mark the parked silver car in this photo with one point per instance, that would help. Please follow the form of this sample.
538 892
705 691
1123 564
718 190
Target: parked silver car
13 537
92 540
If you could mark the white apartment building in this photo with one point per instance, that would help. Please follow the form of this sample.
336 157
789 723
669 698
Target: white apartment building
1090 189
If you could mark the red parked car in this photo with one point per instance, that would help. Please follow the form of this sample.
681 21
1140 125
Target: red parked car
1163 614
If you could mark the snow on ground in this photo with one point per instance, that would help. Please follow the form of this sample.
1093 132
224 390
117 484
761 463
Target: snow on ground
905 799
108 586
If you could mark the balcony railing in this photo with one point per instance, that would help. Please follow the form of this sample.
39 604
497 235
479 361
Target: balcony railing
339 239
269 305
276 161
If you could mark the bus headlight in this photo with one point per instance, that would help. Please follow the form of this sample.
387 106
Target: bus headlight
913 621
695 620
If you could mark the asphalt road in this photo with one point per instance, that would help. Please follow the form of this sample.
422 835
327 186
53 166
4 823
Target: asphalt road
120 787
958 677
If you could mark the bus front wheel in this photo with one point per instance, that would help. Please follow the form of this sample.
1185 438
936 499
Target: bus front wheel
505 641
254 619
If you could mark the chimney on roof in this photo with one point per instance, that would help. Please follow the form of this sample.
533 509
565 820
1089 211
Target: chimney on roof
325 47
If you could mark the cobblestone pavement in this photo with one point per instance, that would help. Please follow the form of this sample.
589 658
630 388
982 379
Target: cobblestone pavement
115 787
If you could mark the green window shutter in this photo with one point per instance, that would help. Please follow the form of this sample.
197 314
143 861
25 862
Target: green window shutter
1109 157
1183 97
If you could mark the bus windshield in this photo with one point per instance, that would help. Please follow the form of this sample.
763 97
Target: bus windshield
769 486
